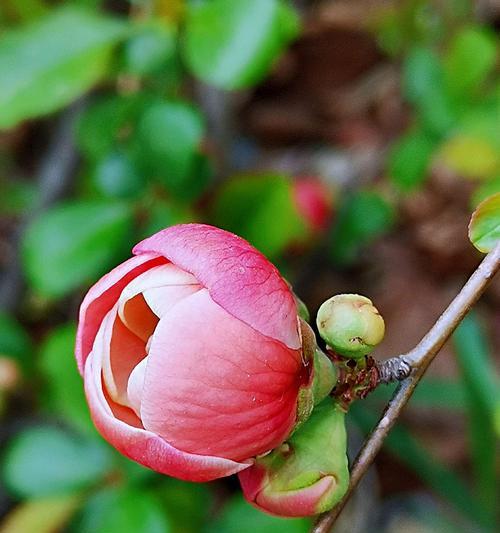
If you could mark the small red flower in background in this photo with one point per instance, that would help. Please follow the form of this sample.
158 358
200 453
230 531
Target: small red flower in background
314 201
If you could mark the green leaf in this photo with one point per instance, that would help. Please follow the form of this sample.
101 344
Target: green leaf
122 510
233 43
409 160
116 176
106 122
187 505
469 60
260 209
150 49
14 341
49 63
168 140
73 243
64 385
240 516
482 390
161 214
43 515
409 451
484 227
470 156
43 461
423 86
363 216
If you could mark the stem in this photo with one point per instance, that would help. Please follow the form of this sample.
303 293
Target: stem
419 359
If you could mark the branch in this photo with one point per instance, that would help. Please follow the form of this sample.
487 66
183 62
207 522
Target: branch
419 359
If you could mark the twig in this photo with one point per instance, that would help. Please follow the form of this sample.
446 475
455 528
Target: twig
419 358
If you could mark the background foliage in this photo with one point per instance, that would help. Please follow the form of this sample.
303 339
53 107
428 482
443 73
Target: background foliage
120 118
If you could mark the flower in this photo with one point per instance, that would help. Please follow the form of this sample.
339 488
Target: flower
314 202
191 354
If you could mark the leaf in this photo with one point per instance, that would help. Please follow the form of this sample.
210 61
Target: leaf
233 43
168 140
409 160
64 385
161 214
484 227
73 243
487 188
43 461
240 516
116 176
478 374
423 86
49 63
471 57
260 209
14 341
410 452
469 156
122 510
43 515
363 216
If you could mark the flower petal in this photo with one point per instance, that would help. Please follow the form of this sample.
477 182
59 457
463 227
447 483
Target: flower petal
215 386
239 278
102 297
141 445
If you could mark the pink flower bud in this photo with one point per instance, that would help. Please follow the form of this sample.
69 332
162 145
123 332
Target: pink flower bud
191 354
314 203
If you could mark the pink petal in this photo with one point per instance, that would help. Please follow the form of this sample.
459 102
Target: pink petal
240 279
135 386
215 386
121 354
141 445
102 297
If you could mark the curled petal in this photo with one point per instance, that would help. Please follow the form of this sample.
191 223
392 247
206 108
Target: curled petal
102 297
137 443
239 278
215 386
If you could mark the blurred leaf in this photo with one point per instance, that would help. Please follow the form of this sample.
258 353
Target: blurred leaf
487 188
233 43
168 138
122 510
431 393
470 157
471 57
260 209
240 516
482 391
116 176
187 504
64 385
73 243
363 216
42 461
161 214
44 515
484 227
409 160
14 341
423 85
410 452
149 49
106 121
51 62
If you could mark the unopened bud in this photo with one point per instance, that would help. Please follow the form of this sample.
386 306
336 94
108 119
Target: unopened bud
350 324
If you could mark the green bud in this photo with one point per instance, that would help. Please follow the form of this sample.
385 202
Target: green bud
325 376
350 324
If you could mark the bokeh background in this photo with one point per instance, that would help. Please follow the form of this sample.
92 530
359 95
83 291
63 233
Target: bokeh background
348 140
